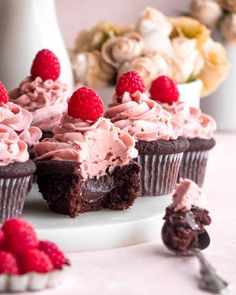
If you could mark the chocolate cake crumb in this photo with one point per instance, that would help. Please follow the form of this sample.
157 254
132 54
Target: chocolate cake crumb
183 228
68 193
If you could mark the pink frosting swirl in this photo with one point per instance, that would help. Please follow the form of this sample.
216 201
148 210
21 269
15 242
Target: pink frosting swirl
142 118
96 146
46 100
195 123
188 194
12 148
19 120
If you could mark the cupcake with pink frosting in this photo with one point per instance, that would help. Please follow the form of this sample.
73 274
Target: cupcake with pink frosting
42 93
198 128
18 119
157 136
87 165
16 169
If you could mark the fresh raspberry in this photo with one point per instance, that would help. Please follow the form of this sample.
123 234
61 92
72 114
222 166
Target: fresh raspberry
34 260
86 105
8 263
2 239
46 65
3 93
54 253
19 236
164 89
130 82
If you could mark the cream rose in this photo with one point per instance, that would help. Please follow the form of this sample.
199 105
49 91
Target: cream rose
190 28
229 5
89 40
155 29
186 59
117 50
207 12
153 20
90 69
150 66
228 28
216 66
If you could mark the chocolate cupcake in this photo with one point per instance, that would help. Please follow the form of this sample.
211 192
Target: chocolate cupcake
158 141
16 172
185 218
20 120
198 128
42 93
87 165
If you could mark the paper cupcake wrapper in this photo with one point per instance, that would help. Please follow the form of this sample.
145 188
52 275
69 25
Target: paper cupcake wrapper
12 196
159 173
31 281
193 166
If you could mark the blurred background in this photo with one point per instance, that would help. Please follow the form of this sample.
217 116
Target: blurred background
75 15
26 26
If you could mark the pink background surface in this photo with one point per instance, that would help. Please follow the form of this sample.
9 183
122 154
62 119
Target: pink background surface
75 15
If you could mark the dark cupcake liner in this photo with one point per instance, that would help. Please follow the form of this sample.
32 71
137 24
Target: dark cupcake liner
12 196
193 166
159 173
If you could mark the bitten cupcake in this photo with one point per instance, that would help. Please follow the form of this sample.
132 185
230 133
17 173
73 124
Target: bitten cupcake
158 141
198 128
87 165
42 93
185 218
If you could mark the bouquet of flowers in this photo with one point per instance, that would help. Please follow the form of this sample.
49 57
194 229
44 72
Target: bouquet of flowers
156 45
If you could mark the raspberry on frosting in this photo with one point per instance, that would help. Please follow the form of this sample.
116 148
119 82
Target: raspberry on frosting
130 82
3 93
46 65
86 105
164 90
143 118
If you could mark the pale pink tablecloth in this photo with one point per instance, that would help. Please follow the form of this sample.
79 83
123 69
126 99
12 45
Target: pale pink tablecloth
149 268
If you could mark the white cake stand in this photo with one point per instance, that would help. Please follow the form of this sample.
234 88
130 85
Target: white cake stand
97 230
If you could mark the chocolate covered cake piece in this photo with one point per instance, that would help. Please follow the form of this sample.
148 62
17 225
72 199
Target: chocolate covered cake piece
185 218
68 193
183 228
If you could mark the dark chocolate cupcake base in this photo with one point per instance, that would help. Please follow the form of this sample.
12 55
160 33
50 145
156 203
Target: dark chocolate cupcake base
15 180
68 193
160 161
194 161
182 229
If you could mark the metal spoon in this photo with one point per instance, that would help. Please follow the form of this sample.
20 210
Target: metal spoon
210 280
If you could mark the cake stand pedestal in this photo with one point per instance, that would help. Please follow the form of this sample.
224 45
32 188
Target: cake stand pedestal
97 230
